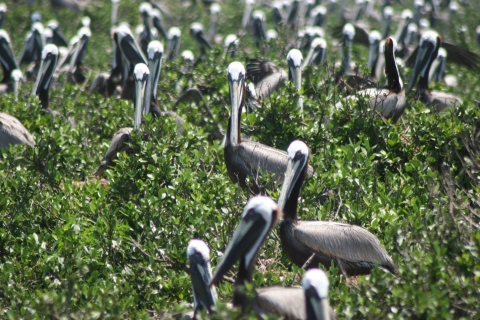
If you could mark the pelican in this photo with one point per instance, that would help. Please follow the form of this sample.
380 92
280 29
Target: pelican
158 23
155 53
355 250
12 131
146 35
318 16
57 38
173 45
258 218
122 136
387 21
45 74
9 83
246 14
267 77
214 13
316 54
259 28
315 287
389 101
230 45
76 70
131 56
278 13
32 50
198 255
427 52
248 158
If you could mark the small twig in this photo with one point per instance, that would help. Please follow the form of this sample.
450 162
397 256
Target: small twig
339 204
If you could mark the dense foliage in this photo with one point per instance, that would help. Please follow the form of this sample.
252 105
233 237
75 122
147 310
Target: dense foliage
78 250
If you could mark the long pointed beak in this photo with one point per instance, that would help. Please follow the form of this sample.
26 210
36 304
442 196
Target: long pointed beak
16 85
131 50
140 86
296 77
425 53
172 48
201 276
77 56
248 232
317 308
154 67
372 55
294 168
309 58
44 75
236 102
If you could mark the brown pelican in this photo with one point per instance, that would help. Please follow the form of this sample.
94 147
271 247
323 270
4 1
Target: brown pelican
318 16
174 34
259 216
204 296
76 70
57 38
259 29
278 12
248 158
230 45
427 52
315 287
267 77
214 13
248 11
146 36
316 53
387 21
10 81
389 101
122 136
355 250
196 31
45 74
131 56
32 50
157 21
12 131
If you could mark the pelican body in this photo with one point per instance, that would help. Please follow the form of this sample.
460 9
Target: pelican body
198 256
427 52
390 101
12 132
355 250
248 158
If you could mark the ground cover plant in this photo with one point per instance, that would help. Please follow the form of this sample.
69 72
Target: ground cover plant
91 252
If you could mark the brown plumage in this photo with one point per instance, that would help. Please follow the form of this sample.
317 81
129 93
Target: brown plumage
355 250
12 132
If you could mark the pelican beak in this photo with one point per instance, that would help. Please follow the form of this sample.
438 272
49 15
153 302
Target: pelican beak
201 275
316 306
130 48
154 65
294 170
80 52
295 75
427 52
237 96
140 88
373 54
172 48
244 244
45 73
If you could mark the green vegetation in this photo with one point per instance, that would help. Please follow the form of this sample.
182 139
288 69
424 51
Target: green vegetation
120 252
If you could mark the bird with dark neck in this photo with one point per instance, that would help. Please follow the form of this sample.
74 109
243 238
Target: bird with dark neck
355 250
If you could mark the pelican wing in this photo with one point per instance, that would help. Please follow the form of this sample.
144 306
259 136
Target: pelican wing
258 157
266 76
12 131
361 34
442 100
342 241
455 54
285 302
118 144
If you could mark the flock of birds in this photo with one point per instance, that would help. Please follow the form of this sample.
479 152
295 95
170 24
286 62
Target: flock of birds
135 74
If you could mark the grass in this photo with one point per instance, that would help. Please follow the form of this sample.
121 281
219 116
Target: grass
120 251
